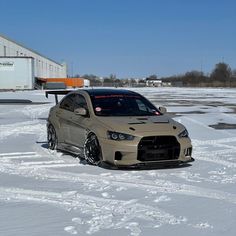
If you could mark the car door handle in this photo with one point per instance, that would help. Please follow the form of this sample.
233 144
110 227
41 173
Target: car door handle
76 119
58 112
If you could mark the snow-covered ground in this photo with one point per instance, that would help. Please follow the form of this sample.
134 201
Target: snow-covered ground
45 192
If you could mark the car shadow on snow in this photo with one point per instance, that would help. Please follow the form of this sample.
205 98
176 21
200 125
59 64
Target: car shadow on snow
108 166
64 153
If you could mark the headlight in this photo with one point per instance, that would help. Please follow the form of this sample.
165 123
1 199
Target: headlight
119 136
183 134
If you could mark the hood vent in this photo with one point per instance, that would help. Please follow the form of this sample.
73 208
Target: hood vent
142 118
136 123
161 121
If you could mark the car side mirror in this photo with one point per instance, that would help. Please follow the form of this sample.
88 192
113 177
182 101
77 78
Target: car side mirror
163 110
81 111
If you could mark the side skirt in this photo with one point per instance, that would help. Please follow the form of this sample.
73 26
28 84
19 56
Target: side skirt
64 147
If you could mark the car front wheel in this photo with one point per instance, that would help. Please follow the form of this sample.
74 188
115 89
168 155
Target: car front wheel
92 150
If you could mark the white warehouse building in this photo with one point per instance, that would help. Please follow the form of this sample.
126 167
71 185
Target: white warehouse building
21 66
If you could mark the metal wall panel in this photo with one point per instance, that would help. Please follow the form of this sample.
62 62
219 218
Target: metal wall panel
16 73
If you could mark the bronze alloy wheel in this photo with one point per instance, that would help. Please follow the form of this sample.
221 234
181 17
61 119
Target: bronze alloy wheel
52 138
92 150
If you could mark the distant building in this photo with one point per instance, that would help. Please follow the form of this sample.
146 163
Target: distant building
166 84
150 82
20 66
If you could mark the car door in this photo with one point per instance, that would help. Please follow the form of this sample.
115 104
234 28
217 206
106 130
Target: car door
79 124
64 114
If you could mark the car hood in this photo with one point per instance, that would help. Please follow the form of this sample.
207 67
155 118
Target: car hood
131 125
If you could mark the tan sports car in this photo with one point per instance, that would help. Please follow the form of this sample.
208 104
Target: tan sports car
118 127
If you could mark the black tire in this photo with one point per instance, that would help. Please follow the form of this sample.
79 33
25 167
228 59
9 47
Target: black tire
92 150
52 138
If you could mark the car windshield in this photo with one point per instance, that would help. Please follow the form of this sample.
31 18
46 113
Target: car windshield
123 105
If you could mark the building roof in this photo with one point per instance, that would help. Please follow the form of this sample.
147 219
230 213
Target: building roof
33 51
15 57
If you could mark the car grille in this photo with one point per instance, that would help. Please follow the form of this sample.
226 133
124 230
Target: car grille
158 148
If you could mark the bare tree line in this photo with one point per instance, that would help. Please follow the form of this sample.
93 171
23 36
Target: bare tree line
221 76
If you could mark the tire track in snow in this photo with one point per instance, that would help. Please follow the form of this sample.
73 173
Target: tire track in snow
39 164
102 213
214 141
162 186
29 127
214 159
34 112
19 155
218 156
56 163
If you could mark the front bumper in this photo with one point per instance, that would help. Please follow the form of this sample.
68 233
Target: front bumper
160 164
125 153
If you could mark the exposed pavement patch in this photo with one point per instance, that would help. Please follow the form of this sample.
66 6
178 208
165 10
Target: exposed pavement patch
223 126
20 102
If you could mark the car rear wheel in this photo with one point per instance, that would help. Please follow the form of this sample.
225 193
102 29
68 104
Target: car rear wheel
92 150
52 138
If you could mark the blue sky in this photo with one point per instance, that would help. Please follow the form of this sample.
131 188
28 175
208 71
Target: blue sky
129 38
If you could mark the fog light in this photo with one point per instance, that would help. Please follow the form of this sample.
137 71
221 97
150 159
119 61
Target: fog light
118 156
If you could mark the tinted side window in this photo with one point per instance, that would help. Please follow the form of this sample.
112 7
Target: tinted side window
141 105
80 102
68 103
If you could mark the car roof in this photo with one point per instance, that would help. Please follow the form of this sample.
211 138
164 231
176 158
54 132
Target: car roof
98 92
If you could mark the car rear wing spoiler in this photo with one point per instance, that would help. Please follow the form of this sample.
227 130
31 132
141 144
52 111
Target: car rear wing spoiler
56 93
